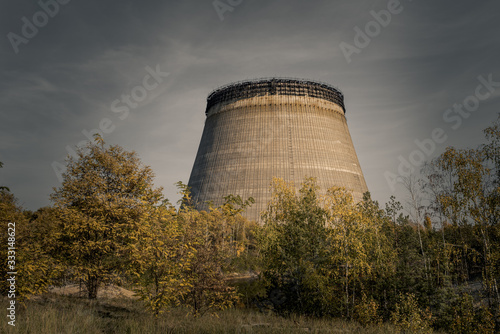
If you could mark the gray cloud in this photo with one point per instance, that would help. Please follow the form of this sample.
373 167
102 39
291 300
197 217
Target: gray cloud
65 79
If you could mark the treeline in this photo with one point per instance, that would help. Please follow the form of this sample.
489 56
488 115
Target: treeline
110 225
432 262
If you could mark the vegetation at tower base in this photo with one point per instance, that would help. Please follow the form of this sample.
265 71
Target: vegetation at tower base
182 261
157 259
326 256
323 253
205 246
319 254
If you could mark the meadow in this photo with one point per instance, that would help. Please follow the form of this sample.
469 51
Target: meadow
51 313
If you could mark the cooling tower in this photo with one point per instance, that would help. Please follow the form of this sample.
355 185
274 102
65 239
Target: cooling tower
257 129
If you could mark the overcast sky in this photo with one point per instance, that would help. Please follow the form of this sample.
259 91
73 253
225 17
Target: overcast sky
399 76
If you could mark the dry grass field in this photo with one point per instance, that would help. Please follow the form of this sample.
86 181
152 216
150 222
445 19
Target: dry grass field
61 314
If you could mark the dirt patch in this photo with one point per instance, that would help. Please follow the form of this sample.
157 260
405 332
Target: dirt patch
108 291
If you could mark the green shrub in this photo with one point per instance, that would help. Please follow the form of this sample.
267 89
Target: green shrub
468 319
407 316
366 311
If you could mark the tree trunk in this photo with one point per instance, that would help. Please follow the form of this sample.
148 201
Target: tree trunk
92 284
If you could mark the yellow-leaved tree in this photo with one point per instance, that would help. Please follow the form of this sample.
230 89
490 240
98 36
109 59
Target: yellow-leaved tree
27 241
210 243
359 251
105 203
159 258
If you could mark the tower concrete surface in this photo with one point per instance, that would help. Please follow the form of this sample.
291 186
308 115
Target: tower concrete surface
258 129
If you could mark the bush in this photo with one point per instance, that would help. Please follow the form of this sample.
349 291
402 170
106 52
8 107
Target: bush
407 316
465 318
366 311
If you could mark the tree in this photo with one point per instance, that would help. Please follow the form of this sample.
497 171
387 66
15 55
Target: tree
413 186
158 260
323 253
362 255
408 316
492 149
294 249
465 193
471 199
26 248
208 236
104 203
13 221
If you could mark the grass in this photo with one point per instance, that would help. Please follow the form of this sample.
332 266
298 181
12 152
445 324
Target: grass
61 314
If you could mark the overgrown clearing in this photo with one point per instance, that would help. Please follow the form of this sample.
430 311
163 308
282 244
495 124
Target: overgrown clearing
59 314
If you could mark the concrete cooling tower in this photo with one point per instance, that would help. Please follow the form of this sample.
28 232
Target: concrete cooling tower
288 128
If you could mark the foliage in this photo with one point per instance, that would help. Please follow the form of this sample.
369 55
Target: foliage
408 316
362 254
463 316
322 252
158 258
293 249
104 202
366 311
30 241
472 204
210 238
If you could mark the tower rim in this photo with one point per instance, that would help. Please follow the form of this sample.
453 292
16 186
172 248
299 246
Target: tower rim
275 86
